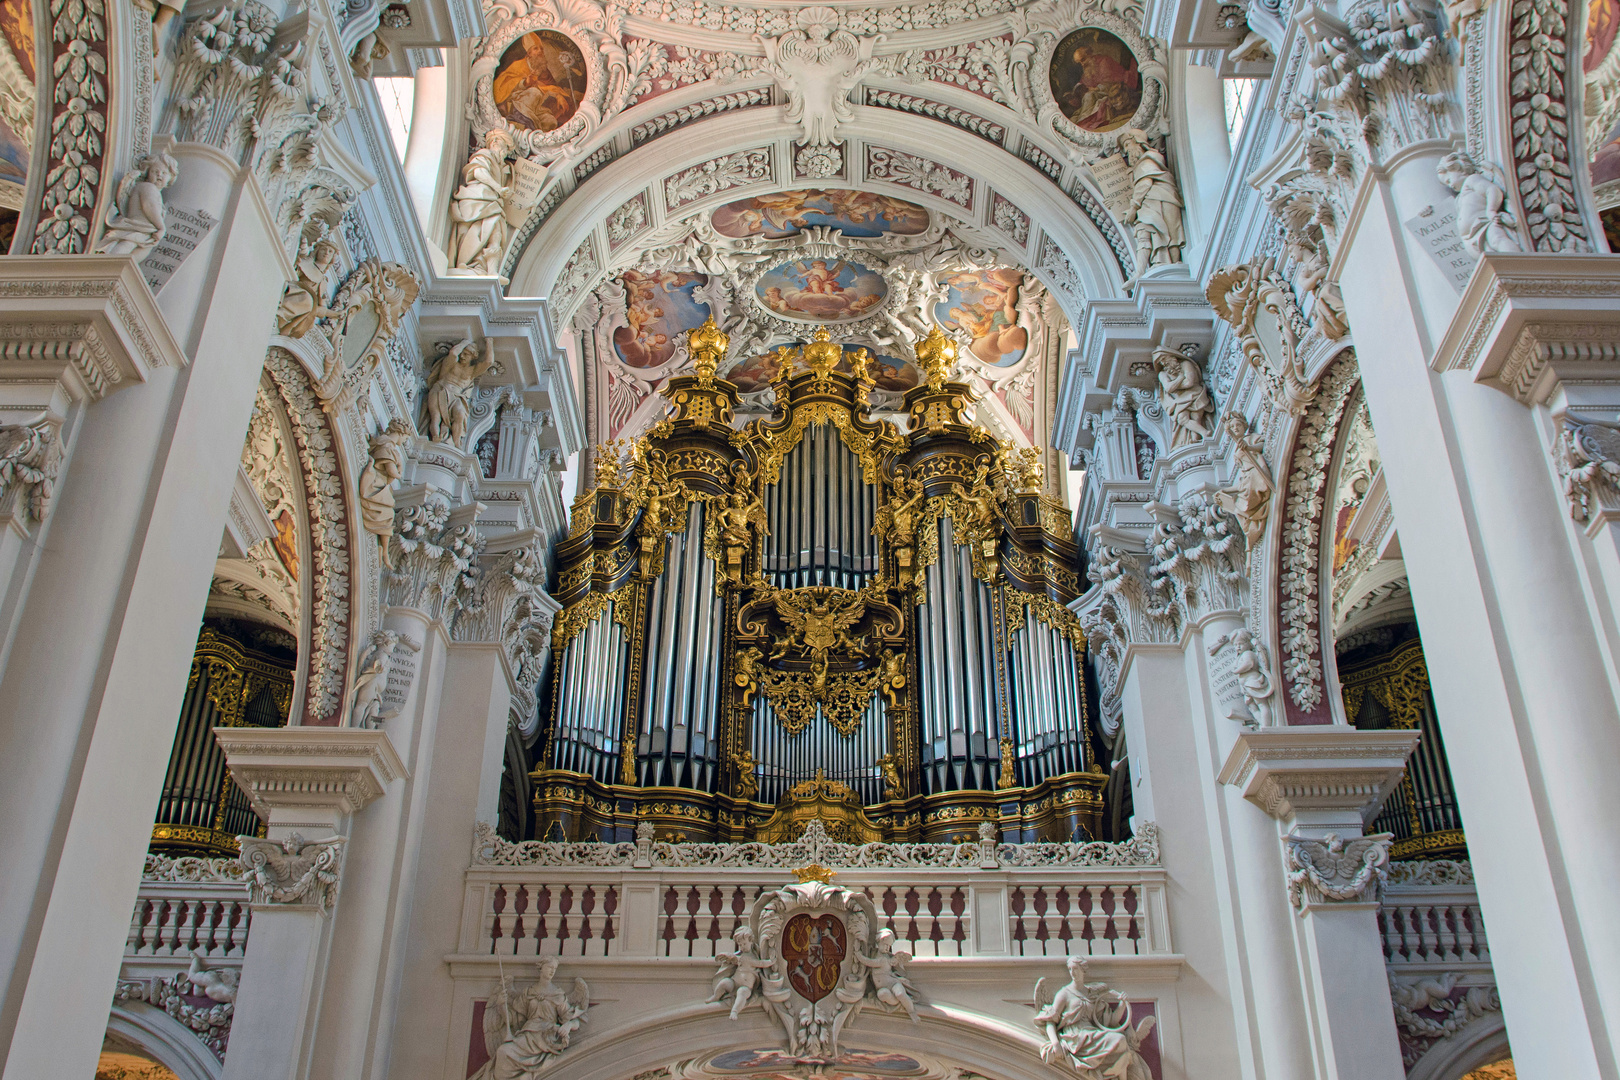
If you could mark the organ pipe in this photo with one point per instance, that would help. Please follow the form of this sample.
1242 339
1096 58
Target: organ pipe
817 614
241 676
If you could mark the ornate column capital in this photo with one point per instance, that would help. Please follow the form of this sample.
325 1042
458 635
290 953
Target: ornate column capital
293 871
1529 324
1334 869
293 772
1330 776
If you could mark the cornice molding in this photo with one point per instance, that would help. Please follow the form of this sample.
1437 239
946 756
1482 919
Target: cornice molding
83 324
1329 768
338 770
1529 322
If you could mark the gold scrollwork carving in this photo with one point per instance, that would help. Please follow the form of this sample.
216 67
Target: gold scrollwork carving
841 696
1398 682
236 678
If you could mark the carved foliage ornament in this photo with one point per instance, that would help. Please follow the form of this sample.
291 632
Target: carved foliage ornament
329 535
75 169
1539 110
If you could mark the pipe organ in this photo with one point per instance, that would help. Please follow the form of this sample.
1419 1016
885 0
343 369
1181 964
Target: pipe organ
239 678
817 614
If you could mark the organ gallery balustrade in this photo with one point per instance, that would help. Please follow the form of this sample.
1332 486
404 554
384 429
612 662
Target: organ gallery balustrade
817 615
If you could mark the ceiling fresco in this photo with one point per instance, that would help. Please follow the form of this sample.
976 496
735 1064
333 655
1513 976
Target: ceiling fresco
879 271
853 213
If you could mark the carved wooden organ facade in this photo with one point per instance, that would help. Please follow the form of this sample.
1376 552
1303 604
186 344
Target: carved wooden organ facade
817 615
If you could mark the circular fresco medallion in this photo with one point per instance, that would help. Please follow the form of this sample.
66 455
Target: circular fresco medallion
822 290
540 81
1095 80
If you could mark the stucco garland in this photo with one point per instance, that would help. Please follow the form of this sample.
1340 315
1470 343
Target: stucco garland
1299 582
330 606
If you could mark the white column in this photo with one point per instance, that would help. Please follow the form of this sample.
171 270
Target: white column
106 622
1322 784
387 973
307 783
1522 675
1245 1017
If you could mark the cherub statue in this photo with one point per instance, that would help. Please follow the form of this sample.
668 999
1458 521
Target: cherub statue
1483 221
522 1031
888 967
377 481
137 222
892 787
371 678
450 387
893 679
982 502
738 977
898 516
1249 665
1088 1025
216 984
304 300
746 674
478 209
741 511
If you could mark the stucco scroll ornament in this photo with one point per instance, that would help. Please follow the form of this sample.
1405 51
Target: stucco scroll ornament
816 65
1155 213
478 209
1483 221
523 1030
1248 497
371 678
1260 306
1334 869
1087 1026
292 871
450 386
820 956
1183 395
1253 675
137 223
29 461
366 313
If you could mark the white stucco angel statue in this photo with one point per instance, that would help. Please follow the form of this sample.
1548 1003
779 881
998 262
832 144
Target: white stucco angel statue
524 1029
738 977
137 222
1089 1026
889 982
